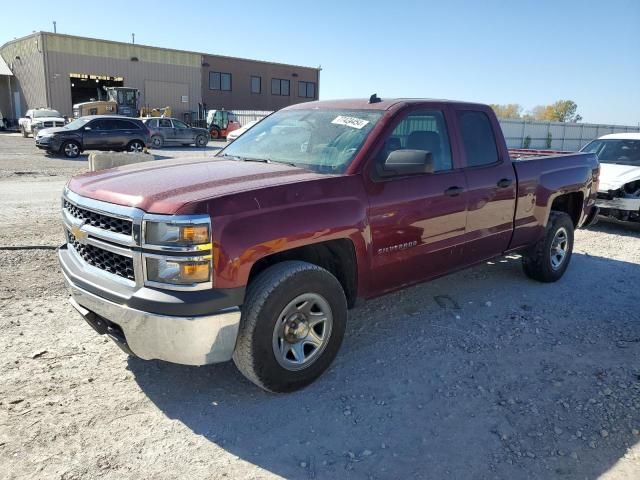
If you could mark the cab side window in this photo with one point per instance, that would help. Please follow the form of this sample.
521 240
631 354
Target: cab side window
478 140
421 130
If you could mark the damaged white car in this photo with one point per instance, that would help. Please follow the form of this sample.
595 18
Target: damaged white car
619 190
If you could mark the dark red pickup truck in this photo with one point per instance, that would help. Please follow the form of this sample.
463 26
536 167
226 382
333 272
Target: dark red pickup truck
258 253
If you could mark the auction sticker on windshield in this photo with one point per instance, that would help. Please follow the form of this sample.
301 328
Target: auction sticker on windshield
352 122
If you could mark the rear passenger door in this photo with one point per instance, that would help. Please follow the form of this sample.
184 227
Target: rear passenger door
124 131
417 222
491 185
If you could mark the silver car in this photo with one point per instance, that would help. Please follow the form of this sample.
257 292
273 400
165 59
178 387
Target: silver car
171 131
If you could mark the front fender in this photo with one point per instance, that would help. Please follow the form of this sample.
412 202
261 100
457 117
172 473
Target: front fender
286 217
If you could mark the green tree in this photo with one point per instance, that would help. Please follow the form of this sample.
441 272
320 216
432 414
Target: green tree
509 110
560 111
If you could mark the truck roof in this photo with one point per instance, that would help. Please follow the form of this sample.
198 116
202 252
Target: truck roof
364 103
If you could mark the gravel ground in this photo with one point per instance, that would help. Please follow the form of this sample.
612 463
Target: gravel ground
482 374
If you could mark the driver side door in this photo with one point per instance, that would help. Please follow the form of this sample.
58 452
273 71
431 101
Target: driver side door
417 221
183 132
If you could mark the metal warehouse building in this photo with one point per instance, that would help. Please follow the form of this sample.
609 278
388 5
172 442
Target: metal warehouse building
57 71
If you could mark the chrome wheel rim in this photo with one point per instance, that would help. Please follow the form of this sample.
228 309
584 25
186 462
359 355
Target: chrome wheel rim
302 331
201 141
71 150
559 248
135 147
156 141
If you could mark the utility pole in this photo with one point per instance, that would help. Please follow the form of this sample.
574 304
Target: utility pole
133 38
54 27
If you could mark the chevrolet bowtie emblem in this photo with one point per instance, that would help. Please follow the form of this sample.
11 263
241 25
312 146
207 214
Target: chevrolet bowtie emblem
79 234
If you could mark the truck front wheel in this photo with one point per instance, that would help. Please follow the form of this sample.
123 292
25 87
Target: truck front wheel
549 258
292 326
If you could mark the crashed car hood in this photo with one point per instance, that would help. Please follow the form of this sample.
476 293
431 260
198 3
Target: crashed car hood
614 176
166 186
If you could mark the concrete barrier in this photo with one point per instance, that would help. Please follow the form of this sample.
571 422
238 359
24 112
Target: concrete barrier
102 160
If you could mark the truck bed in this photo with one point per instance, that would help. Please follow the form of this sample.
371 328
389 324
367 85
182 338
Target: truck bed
540 180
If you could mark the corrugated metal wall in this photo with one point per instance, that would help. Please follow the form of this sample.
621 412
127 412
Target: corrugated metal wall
563 136
67 55
25 58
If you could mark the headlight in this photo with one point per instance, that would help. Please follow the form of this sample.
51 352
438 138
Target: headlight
167 240
177 271
161 233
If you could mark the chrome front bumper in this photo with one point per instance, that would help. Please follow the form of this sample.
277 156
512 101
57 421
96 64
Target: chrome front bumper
630 204
192 340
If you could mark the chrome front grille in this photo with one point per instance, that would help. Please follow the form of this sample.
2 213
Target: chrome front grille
99 220
106 239
103 259
104 236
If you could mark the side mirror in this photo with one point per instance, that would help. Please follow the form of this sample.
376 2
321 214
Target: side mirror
407 162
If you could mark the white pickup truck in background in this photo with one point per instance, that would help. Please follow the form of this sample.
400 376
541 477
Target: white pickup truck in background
619 188
39 118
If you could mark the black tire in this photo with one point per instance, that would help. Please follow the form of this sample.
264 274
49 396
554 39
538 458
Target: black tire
70 149
267 297
539 263
135 146
201 141
157 141
215 133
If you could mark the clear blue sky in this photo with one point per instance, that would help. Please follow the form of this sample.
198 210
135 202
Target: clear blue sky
529 53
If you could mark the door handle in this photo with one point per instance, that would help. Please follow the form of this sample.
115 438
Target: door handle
453 191
504 183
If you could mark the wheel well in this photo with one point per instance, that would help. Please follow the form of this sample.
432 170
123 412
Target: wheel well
336 256
571 204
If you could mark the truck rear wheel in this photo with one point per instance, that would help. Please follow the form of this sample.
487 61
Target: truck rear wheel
549 258
292 326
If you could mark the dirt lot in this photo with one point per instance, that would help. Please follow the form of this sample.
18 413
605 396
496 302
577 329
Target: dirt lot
483 374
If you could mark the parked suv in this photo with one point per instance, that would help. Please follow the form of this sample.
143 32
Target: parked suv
173 131
95 132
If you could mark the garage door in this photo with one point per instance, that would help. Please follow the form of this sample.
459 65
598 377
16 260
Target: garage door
162 94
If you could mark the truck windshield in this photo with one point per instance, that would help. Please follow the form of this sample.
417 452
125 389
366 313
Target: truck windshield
624 152
322 140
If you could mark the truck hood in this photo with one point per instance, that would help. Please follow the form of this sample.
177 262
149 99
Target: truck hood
47 119
614 176
166 186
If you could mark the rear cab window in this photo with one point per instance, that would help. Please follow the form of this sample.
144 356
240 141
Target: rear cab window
478 139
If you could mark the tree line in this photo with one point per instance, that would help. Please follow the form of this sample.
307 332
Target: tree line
560 111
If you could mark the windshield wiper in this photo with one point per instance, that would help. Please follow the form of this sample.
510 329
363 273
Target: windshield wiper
260 160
